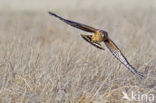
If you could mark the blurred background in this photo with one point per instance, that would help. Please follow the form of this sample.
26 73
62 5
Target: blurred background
72 5
43 60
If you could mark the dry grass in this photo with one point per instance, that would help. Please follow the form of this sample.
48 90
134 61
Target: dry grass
42 60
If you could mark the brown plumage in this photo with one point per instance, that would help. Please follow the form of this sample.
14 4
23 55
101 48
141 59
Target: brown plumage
98 37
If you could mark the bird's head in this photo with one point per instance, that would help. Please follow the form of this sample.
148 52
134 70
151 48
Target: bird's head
104 34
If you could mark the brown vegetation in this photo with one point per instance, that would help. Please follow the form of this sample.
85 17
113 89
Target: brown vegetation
45 60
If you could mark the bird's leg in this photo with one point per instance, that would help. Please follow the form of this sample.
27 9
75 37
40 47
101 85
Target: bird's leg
88 38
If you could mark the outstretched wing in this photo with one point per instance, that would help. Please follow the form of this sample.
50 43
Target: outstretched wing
118 54
75 24
88 39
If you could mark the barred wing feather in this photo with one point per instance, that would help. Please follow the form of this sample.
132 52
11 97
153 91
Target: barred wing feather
119 55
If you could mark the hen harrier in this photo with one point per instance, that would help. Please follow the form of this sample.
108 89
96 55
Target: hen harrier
100 36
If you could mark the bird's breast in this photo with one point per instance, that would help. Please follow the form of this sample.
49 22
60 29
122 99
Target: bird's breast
97 38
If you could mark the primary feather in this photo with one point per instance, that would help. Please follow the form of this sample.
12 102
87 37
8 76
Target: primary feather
119 55
75 24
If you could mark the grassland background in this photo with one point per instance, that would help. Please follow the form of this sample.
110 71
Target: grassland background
43 60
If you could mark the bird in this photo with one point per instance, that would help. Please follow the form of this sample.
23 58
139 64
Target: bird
96 38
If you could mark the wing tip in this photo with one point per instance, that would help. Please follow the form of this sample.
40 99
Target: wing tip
51 13
141 74
134 71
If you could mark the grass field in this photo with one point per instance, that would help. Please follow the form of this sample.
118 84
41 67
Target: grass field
43 60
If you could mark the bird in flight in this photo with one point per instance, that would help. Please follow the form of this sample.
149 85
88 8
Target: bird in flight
98 37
